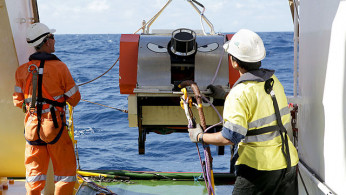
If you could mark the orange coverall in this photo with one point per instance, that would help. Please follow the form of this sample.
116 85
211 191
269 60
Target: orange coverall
58 83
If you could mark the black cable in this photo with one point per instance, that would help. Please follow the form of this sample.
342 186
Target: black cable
301 178
198 3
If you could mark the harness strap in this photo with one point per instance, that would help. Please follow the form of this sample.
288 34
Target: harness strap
34 86
52 111
40 101
39 98
40 142
54 103
263 130
283 132
60 132
268 87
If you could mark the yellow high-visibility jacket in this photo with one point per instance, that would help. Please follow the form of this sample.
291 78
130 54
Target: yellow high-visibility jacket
249 107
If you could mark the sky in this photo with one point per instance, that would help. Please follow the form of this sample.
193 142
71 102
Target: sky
126 16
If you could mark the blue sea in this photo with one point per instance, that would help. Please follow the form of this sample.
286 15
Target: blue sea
104 139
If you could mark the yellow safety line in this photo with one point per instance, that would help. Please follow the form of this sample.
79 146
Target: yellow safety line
89 174
70 124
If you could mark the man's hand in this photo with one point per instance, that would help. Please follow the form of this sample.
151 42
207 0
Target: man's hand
217 92
193 133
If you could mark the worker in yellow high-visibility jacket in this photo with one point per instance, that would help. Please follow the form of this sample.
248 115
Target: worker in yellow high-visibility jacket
256 117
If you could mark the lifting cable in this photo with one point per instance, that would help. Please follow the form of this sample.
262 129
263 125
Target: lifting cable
101 74
202 13
122 110
141 28
125 111
207 166
294 114
296 6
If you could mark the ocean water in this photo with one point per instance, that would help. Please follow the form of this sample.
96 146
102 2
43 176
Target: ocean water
104 139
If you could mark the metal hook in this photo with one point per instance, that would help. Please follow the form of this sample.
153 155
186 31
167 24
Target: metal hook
35 68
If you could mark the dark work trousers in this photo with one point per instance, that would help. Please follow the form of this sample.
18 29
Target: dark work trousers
251 181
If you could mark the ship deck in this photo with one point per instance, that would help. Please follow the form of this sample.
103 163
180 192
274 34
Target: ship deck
141 187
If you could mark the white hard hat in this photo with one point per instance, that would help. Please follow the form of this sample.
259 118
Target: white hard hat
246 46
36 33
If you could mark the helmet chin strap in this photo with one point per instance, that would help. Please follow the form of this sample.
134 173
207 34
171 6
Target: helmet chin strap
38 47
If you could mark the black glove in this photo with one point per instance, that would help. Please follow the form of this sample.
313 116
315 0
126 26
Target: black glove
217 92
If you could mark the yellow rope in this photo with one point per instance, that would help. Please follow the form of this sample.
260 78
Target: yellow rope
70 123
71 131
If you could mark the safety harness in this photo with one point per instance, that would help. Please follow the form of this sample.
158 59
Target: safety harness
265 75
268 87
36 104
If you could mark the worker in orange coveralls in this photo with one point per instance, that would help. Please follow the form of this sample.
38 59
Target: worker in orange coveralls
43 86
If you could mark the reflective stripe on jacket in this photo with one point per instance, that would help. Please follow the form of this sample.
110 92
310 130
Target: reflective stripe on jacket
249 107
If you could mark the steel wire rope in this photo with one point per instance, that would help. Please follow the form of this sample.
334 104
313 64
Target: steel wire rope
122 110
301 178
295 137
101 74
295 5
202 13
153 18
119 56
